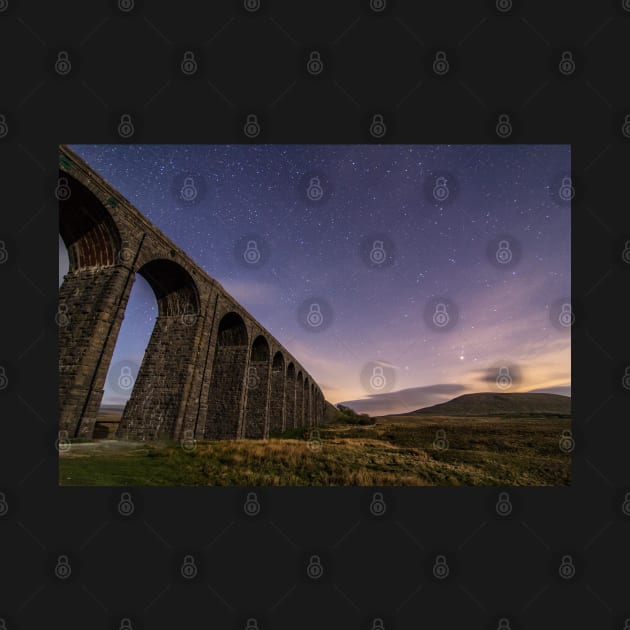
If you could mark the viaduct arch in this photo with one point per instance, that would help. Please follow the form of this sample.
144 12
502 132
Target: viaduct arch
210 369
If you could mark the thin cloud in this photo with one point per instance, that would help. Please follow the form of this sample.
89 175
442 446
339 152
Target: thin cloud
408 399
563 390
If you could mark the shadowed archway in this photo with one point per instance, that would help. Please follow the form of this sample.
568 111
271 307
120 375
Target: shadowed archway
257 384
320 408
289 398
158 397
312 406
192 379
87 229
225 410
298 416
276 395
306 421
92 298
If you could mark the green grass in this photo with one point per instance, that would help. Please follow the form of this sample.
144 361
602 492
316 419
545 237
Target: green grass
481 451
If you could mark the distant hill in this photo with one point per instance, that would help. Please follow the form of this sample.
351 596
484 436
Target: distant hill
330 413
491 404
113 407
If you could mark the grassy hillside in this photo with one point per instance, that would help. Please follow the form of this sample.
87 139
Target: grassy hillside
394 451
494 404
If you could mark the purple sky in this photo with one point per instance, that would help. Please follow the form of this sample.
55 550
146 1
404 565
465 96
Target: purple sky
381 249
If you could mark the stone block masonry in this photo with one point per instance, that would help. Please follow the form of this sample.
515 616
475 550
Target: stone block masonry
210 369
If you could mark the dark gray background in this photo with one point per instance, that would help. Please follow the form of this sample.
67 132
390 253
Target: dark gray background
254 567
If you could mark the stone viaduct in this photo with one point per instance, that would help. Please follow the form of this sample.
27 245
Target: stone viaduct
210 370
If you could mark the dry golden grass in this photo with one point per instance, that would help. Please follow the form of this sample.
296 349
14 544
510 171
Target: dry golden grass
481 451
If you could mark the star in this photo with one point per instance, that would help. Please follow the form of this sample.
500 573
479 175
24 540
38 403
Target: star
314 248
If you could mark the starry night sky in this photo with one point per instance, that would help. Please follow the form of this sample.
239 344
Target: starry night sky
377 246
